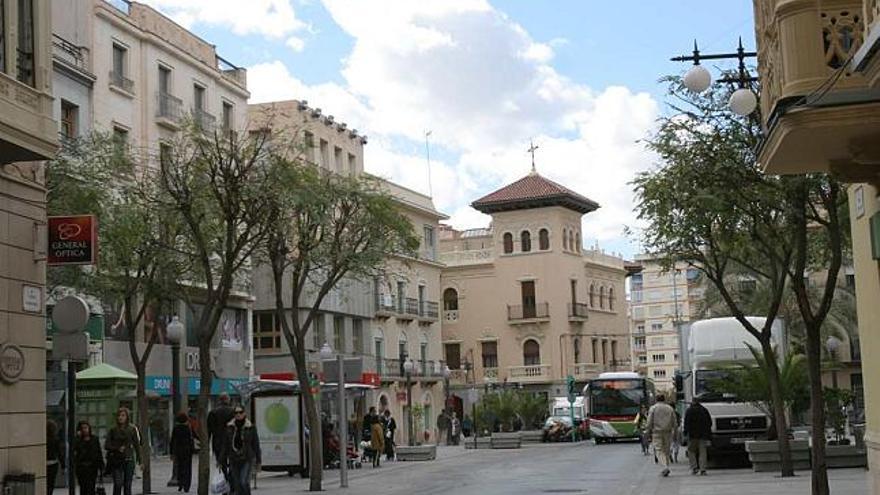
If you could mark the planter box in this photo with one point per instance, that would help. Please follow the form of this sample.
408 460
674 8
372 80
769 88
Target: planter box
416 453
481 443
764 455
845 456
532 436
511 440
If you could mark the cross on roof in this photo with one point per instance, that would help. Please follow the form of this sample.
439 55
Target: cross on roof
532 148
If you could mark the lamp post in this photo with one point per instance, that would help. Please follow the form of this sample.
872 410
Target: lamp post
175 335
407 370
326 355
743 101
446 373
833 344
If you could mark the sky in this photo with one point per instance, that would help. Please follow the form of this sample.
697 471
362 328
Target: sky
579 78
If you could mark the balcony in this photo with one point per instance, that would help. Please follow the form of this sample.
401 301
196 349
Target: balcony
119 82
385 305
72 55
203 120
463 258
490 375
28 130
391 369
428 311
407 308
586 371
528 313
578 311
536 373
168 110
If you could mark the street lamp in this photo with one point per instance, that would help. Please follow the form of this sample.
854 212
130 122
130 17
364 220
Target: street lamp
446 373
407 370
326 355
743 101
833 344
175 335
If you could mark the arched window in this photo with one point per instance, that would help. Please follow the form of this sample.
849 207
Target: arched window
611 298
543 239
571 240
508 243
602 297
592 296
450 299
578 244
525 241
565 239
531 353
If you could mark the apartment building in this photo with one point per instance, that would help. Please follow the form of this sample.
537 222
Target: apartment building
377 324
524 304
658 300
28 136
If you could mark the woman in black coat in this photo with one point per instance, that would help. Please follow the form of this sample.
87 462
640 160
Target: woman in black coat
182 448
88 461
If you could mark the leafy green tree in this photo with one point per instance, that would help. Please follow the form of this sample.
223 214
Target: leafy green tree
500 405
533 408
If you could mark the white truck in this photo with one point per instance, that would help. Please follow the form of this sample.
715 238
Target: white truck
711 348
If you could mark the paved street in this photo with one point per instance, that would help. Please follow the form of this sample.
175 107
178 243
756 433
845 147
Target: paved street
557 468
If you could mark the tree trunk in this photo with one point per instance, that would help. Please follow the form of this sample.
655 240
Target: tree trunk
143 424
817 415
779 419
316 463
205 376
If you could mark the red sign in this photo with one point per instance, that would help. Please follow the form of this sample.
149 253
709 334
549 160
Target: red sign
73 240
370 379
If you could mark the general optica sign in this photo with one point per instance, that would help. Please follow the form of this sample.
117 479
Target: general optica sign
73 240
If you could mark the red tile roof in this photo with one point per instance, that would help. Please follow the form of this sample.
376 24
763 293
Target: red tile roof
533 191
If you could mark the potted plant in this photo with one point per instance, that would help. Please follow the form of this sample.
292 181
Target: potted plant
501 407
532 409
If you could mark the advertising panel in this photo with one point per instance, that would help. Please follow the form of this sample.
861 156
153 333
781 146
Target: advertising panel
278 424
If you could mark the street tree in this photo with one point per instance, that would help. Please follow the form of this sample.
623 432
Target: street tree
214 183
99 176
324 230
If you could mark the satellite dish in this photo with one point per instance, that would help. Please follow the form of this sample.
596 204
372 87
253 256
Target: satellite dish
71 314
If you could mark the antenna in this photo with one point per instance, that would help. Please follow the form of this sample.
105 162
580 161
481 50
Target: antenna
428 158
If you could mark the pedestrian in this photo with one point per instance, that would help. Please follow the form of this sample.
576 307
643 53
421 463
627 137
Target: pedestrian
218 418
455 426
88 461
182 448
54 455
369 419
641 421
123 451
377 441
240 454
467 426
698 430
443 427
390 430
661 424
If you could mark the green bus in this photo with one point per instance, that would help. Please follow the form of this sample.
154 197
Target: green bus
614 402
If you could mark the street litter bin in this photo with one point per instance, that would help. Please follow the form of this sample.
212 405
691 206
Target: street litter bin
19 484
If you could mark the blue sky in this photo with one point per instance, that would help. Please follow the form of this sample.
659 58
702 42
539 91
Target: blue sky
578 76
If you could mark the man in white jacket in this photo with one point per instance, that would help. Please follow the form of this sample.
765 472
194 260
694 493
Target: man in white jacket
660 427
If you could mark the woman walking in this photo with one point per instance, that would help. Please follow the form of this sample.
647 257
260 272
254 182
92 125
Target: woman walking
88 461
182 448
54 455
377 441
123 450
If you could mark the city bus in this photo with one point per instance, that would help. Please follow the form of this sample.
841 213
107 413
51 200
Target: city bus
614 401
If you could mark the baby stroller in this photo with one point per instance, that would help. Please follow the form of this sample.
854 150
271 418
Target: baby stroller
354 460
367 452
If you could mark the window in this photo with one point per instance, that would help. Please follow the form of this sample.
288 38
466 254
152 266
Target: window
573 288
325 154
318 335
659 373
423 358
357 336
640 328
527 294
379 349
69 117
578 242
675 357
508 243
337 160
656 327
636 295
428 239
402 352
571 244
198 98
604 352
164 153
531 353
602 297
267 334
120 139
543 239
611 298
490 354
228 116
692 274
450 299
747 286
422 309
565 239
643 359
658 358
525 241
453 355
576 347
401 295
164 80
339 333
352 164
592 296
25 48
595 351
850 280
119 74
614 351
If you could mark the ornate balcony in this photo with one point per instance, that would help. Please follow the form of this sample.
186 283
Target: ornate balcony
536 373
428 311
578 311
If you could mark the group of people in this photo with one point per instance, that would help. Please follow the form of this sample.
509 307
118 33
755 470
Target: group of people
661 426
378 432
450 427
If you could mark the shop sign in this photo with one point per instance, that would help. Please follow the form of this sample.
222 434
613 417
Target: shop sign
159 385
11 363
368 378
73 240
191 361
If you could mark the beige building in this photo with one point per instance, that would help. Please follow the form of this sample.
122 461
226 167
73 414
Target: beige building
820 75
523 303
658 299
377 324
28 135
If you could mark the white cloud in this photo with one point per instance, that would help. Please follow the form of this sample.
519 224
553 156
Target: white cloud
272 18
296 43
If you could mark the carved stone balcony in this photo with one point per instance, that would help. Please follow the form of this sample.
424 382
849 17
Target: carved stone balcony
537 373
529 313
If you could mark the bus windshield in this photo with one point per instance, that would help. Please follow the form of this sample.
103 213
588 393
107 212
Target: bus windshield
616 397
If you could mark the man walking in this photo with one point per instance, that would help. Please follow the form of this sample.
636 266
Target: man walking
698 430
240 454
218 418
660 426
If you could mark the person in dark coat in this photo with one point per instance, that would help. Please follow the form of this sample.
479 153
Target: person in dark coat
54 455
88 461
390 429
182 447
123 451
370 418
218 418
240 455
698 430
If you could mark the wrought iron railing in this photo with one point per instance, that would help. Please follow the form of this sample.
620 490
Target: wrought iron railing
168 106
528 311
578 310
118 80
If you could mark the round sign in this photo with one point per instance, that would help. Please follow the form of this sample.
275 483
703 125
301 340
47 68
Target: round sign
11 363
71 314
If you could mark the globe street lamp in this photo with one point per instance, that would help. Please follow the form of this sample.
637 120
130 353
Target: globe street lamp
743 101
326 355
833 344
407 370
175 335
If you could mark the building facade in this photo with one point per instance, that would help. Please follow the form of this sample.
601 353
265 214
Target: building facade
28 136
524 305
819 65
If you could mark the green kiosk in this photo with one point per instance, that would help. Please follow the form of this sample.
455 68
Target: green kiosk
100 391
